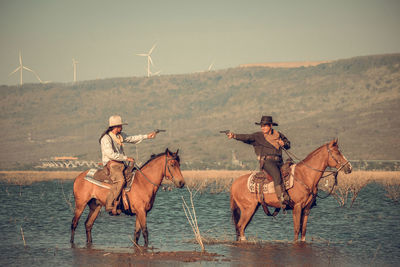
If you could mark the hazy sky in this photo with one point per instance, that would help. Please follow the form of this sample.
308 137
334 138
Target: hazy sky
104 36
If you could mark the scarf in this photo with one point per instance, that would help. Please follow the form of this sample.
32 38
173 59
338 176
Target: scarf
273 137
117 138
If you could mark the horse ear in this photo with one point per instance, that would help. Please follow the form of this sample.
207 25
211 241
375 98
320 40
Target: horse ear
167 151
176 153
334 142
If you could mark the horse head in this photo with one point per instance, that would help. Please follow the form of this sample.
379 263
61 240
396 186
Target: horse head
172 168
336 159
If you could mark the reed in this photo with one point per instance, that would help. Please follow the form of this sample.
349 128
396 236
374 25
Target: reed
213 181
68 201
192 218
392 188
29 177
23 236
219 181
350 185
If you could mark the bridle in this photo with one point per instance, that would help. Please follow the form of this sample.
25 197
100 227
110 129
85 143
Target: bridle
334 173
165 170
329 154
336 160
167 167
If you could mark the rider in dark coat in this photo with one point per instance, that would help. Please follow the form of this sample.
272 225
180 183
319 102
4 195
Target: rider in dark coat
268 146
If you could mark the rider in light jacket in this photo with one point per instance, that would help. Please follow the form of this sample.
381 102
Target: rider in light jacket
113 156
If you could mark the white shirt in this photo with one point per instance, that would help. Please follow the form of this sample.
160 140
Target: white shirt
111 150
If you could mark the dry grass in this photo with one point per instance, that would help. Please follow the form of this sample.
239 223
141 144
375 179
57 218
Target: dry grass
392 188
215 181
350 185
220 179
29 177
192 219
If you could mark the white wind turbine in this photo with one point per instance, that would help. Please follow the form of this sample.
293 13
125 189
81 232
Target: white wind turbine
74 63
211 65
149 60
22 67
155 73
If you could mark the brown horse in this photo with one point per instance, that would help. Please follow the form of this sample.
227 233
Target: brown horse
141 196
307 175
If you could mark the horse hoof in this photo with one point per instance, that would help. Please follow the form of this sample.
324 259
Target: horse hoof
242 238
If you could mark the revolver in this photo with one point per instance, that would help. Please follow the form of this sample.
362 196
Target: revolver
225 132
159 131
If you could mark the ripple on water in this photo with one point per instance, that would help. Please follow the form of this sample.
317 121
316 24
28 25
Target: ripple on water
368 233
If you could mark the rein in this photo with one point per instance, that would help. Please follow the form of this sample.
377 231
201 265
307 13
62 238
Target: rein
138 168
165 171
334 173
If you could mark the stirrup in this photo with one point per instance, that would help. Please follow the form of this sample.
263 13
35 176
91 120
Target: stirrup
115 211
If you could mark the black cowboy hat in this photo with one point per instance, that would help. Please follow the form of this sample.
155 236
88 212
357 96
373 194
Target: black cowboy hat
266 120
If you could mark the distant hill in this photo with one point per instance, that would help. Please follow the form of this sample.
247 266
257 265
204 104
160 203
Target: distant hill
295 64
356 99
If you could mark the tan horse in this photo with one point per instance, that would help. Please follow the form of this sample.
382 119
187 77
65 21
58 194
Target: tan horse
307 175
141 197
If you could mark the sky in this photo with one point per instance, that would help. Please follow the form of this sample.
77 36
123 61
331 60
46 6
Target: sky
105 36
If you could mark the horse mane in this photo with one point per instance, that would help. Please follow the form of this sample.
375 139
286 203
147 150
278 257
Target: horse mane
314 152
154 156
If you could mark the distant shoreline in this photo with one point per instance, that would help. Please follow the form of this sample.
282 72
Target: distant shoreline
28 177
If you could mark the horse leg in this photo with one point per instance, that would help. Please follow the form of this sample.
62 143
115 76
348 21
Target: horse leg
138 230
304 219
141 226
92 216
141 216
145 233
79 208
297 210
245 217
235 216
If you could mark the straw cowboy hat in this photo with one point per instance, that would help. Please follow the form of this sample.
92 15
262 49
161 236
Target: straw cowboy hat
115 120
266 120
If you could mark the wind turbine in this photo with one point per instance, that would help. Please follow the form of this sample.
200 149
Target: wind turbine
155 73
74 63
21 68
149 60
211 66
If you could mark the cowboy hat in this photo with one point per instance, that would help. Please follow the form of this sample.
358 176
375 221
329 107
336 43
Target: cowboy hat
115 120
266 120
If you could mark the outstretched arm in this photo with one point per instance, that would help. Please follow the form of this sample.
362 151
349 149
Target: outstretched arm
246 138
136 139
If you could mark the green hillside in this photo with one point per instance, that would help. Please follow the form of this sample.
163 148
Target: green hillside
356 100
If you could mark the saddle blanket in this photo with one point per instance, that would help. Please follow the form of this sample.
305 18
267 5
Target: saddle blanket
268 187
89 177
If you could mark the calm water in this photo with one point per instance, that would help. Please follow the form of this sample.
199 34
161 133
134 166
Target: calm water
367 234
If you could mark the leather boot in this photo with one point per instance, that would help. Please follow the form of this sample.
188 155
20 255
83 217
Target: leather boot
115 211
285 195
279 195
109 201
116 189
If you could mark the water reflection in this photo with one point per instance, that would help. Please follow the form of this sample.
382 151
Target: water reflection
368 233
283 254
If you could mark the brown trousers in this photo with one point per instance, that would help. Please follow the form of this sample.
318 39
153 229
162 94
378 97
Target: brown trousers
117 177
273 168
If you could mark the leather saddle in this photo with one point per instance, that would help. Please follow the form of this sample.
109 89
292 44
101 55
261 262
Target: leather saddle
103 175
263 177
